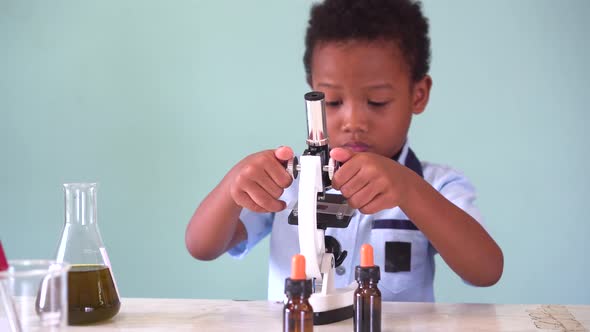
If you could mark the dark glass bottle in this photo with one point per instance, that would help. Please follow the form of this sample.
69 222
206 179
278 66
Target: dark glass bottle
297 312
367 297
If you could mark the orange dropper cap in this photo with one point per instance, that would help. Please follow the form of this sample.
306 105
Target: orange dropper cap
367 256
298 267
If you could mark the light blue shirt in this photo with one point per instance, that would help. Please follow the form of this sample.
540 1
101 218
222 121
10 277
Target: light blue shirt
382 230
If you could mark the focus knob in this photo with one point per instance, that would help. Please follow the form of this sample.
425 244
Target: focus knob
292 167
333 166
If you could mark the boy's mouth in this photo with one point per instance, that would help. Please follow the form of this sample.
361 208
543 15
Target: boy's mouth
357 146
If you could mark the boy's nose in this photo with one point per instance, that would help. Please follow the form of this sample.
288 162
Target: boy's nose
354 119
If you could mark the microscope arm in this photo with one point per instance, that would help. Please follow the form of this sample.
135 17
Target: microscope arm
311 239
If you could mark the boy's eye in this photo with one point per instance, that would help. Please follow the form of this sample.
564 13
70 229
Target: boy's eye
377 103
334 103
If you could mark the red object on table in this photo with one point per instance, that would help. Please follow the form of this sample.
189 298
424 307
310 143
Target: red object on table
3 261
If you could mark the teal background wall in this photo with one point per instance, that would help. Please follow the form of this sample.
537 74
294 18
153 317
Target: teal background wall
156 100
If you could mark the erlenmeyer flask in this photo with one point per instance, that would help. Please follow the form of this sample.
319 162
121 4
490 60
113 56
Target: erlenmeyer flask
92 292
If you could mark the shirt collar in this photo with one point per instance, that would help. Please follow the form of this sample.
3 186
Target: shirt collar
408 158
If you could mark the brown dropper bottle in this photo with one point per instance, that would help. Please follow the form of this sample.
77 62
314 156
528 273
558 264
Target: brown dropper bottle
297 312
367 297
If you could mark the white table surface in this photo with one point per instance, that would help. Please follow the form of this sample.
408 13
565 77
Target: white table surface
143 314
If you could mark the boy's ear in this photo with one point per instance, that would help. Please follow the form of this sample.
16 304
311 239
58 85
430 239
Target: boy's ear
421 93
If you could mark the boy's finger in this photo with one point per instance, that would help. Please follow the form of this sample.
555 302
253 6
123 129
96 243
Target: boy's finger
361 196
243 200
342 155
279 175
284 153
263 199
347 171
267 183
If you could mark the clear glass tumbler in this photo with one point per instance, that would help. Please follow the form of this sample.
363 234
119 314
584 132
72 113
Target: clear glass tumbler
33 296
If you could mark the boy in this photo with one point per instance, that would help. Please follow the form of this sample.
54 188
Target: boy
371 60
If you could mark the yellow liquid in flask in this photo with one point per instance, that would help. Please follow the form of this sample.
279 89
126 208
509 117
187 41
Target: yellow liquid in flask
92 295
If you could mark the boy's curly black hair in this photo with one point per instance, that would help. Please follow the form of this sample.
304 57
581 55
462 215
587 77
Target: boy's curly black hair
399 21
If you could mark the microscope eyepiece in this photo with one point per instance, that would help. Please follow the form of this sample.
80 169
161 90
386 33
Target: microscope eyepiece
314 96
316 119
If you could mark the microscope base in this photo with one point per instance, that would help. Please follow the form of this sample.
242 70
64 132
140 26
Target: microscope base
334 306
332 316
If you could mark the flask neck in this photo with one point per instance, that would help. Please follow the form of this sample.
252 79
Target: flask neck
80 200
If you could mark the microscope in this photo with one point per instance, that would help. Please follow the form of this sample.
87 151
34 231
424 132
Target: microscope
317 210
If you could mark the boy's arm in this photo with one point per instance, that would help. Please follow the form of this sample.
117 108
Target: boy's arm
215 226
372 183
460 240
256 183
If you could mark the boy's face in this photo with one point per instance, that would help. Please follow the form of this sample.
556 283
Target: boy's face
370 97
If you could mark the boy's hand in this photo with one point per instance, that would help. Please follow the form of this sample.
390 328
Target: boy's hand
369 181
258 180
